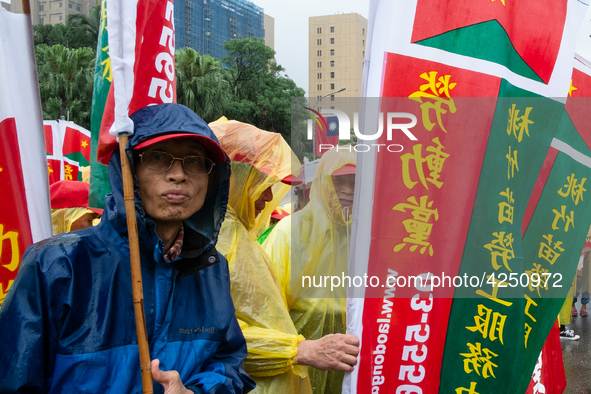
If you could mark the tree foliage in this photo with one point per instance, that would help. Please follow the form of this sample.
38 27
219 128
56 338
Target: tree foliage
79 31
262 92
66 82
202 84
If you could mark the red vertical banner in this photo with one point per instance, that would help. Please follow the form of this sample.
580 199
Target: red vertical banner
15 234
549 376
417 228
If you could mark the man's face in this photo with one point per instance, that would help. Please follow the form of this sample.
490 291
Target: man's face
84 221
344 186
173 195
259 204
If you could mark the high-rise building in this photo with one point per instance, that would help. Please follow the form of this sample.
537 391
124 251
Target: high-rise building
205 25
336 53
53 11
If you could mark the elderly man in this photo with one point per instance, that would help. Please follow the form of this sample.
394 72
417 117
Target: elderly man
67 324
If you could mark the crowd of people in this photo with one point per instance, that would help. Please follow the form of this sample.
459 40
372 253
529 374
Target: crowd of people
224 308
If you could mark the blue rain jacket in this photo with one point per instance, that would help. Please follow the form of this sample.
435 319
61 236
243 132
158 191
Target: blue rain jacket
68 326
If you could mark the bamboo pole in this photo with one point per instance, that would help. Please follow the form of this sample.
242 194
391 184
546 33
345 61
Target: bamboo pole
26 7
136 271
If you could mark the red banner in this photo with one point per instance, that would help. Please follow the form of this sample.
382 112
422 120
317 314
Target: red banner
416 223
15 234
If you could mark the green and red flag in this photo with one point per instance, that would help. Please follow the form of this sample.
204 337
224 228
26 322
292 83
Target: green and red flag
68 150
25 213
501 31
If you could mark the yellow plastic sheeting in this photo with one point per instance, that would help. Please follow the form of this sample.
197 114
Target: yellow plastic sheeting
314 242
259 160
565 312
63 218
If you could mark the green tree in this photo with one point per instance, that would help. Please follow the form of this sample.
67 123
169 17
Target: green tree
65 82
79 31
202 84
86 27
262 92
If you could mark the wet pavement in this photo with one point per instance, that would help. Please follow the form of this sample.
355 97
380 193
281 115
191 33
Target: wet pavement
577 356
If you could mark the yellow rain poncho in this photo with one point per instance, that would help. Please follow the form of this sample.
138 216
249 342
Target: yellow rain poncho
259 160
314 242
63 218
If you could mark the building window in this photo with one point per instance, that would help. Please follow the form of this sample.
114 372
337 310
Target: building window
332 107
332 97
319 87
70 5
60 6
60 17
250 31
319 75
41 6
363 32
319 30
319 52
363 43
319 64
319 41
332 74
332 29
332 86
332 63
78 7
40 20
332 52
332 40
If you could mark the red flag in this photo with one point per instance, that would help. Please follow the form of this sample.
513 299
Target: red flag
476 29
24 212
48 139
326 136
549 376
77 144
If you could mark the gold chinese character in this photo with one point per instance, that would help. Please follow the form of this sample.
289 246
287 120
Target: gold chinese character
505 208
68 172
434 163
503 247
471 390
529 302
547 252
536 275
433 90
495 291
479 358
495 331
511 163
108 71
561 215
12 237
513 127
575 190
3 291
527 331
419 227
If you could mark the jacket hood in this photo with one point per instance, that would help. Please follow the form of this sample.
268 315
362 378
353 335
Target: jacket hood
150 122
260 159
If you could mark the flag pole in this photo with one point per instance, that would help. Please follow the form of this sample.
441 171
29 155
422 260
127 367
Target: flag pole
136 271
26 7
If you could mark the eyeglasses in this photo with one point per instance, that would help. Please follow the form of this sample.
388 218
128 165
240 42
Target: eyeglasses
162 161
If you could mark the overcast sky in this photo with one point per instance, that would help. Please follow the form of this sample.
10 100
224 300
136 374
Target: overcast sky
291 29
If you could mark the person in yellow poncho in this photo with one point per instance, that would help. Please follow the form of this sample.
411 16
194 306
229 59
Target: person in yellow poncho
314 242
261 175
69 206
